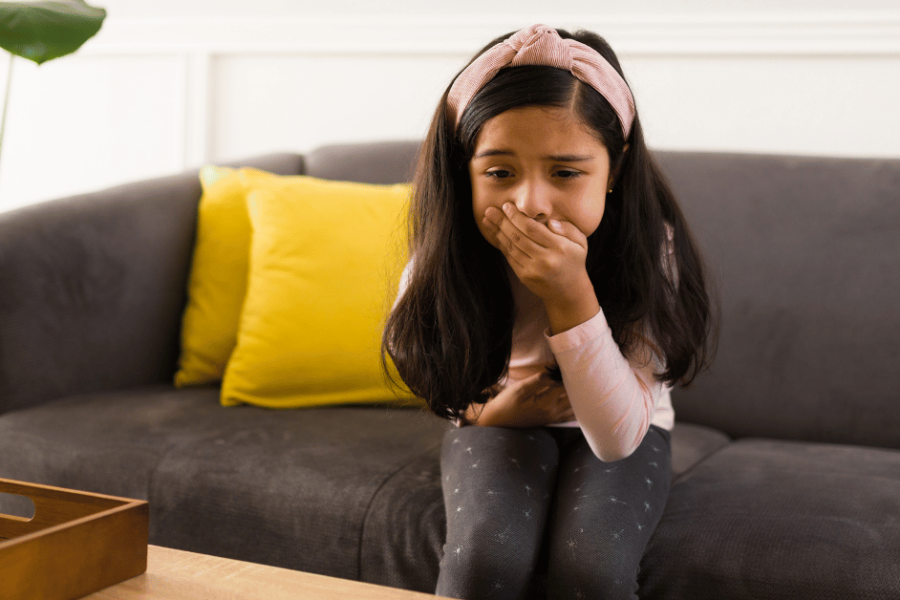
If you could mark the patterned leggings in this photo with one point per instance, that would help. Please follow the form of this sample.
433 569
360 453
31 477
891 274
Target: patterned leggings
529 508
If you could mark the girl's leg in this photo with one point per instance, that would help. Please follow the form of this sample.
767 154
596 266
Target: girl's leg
604 517
497 484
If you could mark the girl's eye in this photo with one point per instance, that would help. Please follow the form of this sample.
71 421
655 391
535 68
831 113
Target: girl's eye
566 174
499 174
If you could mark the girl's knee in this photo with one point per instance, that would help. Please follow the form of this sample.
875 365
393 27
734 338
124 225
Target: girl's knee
595 564
607 579
489 558
485 567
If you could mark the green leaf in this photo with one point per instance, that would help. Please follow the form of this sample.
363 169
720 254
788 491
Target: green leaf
47 29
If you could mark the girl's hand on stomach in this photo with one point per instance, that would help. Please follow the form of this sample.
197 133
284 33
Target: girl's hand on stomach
532 402
549 260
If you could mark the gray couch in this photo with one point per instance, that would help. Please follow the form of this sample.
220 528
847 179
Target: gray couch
786 454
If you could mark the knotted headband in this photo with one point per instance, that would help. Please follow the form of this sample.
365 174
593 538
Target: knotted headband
542 45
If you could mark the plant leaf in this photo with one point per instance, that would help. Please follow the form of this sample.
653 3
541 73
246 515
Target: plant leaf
44 30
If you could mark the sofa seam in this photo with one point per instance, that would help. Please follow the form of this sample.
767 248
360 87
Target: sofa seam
367 512
684 474
151 480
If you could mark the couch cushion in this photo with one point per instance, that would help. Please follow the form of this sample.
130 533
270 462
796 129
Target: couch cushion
691 444
106 443
780 520
404 531
352 491
403 536
285 488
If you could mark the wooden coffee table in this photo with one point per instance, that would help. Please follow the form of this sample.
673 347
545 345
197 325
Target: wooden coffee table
178 575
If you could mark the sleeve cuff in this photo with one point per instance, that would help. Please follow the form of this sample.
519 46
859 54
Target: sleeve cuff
592 329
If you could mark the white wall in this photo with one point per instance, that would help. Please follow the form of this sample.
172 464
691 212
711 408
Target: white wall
172 84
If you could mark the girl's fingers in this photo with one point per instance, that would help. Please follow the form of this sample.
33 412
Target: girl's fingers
510 249
566 415
531 229
516 224
553 394
534 387
539 379
556 404
564 408
568 231
545 257
513 237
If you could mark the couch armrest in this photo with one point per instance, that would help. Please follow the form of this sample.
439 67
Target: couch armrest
92 288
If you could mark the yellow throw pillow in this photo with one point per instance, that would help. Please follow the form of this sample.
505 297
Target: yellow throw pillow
325 261
218 277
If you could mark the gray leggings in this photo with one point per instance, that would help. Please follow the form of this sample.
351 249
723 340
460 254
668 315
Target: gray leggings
533 512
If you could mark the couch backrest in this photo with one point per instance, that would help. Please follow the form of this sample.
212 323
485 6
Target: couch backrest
805 257
374 162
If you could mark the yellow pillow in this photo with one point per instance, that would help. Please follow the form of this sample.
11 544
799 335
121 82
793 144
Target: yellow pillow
325 261
218 278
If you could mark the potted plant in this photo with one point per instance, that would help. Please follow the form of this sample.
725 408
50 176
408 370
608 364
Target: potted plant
41 30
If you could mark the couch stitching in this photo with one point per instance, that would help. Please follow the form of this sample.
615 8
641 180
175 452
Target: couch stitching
362 529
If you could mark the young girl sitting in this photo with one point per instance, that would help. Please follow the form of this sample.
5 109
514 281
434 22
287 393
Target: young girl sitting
553 297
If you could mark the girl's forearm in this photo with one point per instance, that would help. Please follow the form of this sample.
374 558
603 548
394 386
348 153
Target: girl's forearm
577 306
613 399
614 417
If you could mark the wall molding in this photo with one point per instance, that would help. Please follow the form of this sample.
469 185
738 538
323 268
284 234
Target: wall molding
189 53
828 34
197 44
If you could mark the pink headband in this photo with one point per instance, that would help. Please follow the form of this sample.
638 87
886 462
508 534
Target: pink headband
542 45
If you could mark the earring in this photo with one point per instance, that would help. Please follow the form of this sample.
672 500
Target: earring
609 191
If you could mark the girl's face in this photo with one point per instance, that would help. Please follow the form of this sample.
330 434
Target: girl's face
546 162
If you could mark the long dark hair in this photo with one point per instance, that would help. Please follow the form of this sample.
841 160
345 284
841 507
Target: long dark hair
450 334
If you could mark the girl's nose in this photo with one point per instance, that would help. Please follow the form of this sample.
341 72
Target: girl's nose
532 200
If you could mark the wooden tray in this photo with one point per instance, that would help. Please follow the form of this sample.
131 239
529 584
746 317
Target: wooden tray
76 543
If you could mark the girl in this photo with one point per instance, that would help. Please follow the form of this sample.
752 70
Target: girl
553 296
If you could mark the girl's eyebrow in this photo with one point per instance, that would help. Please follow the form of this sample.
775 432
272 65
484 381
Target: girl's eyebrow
569 157
494 152
552 157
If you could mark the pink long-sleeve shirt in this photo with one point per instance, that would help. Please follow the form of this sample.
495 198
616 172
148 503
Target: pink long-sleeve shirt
615 399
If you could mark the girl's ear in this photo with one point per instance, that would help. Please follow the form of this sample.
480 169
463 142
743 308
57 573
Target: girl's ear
615 172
